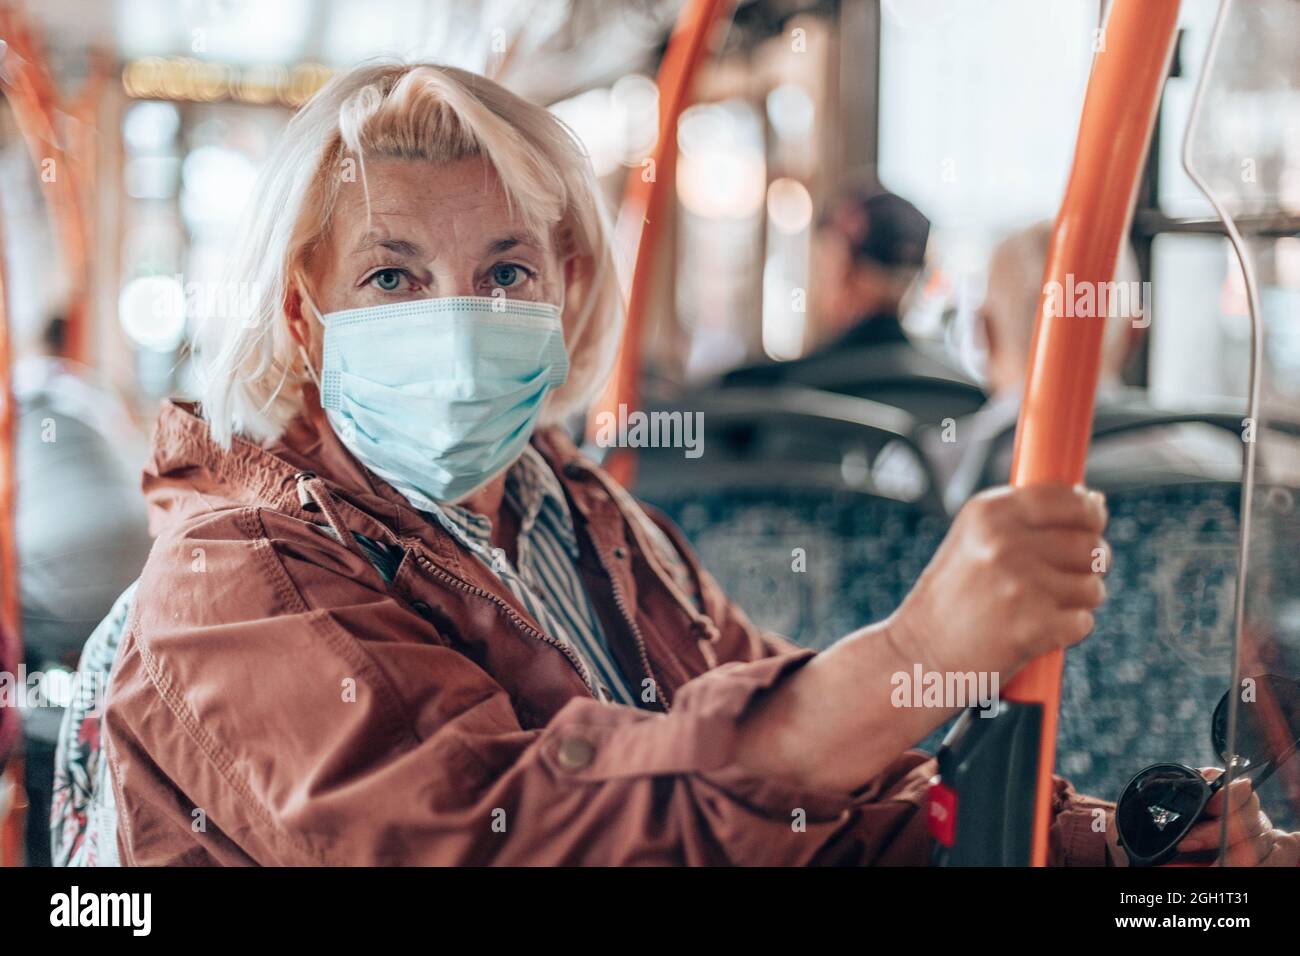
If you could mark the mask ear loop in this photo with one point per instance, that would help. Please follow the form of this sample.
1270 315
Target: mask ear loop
302 352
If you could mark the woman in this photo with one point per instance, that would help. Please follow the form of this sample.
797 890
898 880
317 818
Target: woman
393 616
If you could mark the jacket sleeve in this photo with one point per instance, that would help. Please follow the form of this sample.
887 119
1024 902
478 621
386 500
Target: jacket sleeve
273 704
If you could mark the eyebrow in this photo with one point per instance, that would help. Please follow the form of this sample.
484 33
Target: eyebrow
403 247
506 243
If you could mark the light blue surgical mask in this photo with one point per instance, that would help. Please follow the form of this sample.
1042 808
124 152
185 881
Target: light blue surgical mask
437 396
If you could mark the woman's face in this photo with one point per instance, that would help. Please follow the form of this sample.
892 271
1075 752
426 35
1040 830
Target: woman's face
433 231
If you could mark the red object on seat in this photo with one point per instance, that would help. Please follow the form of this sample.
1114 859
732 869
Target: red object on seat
941 812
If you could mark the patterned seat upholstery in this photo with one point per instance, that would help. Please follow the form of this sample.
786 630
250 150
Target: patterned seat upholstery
809 564
1142 688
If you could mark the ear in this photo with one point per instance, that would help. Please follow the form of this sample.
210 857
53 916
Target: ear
295 314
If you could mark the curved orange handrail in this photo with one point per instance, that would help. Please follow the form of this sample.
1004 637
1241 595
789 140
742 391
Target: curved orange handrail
1055 426
648 197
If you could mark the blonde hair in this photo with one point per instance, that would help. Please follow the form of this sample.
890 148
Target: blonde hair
250 375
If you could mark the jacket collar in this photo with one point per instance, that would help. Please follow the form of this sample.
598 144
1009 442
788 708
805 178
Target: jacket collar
268 475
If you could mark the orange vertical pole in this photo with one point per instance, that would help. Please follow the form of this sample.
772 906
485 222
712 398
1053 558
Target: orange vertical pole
11 648
1055 426
648 196
34 98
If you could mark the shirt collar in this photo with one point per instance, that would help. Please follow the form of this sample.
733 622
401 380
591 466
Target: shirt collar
533 491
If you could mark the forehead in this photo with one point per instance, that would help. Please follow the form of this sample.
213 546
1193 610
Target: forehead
437 205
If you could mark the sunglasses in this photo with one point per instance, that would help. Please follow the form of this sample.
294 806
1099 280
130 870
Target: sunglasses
1163 802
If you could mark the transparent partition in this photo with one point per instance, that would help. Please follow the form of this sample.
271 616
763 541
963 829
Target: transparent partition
1248 150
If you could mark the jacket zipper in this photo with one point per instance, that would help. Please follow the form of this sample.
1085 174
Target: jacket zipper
698 618
514 617
621 601
635 629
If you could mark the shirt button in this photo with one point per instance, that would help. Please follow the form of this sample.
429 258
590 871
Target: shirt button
575 753
620 552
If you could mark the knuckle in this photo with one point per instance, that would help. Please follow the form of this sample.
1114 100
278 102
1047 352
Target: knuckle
1097 587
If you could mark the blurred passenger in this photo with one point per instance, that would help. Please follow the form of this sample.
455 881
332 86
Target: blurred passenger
869 251
961 454
81 536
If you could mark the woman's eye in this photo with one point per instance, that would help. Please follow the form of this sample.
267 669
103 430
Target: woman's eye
387 280
506 275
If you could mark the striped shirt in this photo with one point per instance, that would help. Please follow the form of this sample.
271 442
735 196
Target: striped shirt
545 578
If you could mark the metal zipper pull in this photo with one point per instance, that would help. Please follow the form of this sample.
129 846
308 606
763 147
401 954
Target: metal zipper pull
305 501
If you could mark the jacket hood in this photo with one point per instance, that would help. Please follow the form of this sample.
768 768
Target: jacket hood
188 473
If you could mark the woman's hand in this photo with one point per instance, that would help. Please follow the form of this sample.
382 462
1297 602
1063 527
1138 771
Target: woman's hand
1018 575
1252 840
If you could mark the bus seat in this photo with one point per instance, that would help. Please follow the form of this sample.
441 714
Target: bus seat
1135 445
794 509
1142 687
901 376
809 563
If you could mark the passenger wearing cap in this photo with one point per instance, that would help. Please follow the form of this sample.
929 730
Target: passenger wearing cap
393 616
868 252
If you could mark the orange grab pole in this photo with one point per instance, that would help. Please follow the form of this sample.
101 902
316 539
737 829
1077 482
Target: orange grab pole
34 99
11 647
648 196
1056 419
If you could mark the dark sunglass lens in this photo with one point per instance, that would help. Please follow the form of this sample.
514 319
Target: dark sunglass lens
1268 722
1158 807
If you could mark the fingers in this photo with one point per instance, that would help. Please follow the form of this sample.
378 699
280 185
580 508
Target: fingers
1250 838
1071 550
1061 506
1252 850
1239 794
1073 591
1244 826
1286 850
1073 627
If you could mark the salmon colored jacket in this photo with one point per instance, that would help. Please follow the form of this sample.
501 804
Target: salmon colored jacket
279 699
